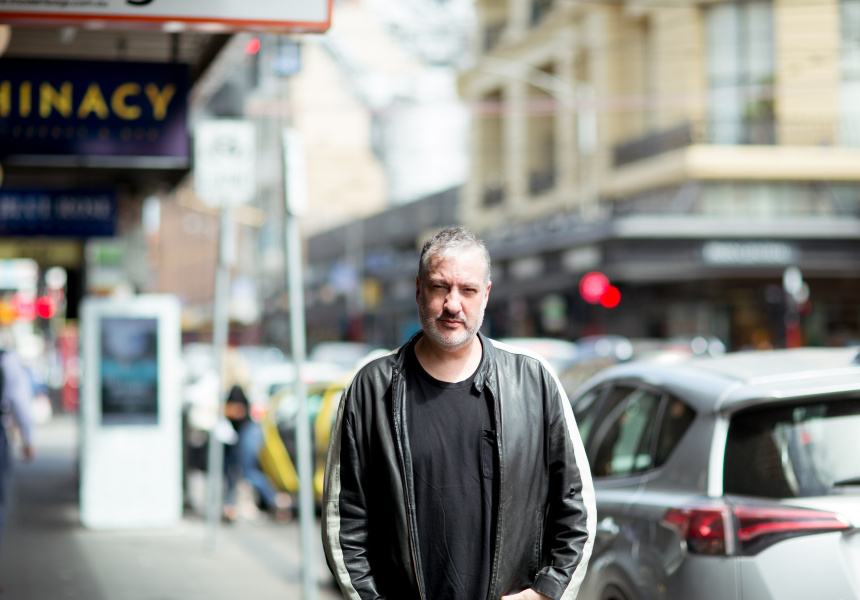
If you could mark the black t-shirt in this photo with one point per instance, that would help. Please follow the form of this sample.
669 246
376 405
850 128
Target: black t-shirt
452 438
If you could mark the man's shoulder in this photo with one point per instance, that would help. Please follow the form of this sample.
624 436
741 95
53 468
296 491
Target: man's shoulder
381 364
507 351
505 354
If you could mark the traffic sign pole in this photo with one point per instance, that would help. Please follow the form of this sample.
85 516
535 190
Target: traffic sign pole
220 333
224 176
295 196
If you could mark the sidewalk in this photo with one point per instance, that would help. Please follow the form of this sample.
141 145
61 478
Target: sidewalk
48 555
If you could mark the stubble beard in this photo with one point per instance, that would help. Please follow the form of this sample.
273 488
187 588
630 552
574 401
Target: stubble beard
450 343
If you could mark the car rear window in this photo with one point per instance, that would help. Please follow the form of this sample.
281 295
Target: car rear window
805 449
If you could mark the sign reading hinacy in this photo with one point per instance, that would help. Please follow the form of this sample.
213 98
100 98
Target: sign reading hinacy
111 110
286 16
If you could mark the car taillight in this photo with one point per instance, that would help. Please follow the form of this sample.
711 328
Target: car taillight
760 527
703 529
747 530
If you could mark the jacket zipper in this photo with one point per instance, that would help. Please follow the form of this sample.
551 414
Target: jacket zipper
409 518
497 533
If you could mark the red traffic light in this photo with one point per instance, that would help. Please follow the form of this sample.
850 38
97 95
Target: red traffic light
46 307
594 287
252 46
611 297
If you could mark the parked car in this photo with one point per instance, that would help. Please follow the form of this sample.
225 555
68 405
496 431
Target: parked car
560 354
728 477
344 354
324 392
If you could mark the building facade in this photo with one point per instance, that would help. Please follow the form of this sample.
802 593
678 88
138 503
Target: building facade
705 157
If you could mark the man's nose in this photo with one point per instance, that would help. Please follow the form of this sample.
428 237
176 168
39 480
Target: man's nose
453 302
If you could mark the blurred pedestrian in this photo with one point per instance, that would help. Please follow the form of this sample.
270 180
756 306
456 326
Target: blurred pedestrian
16 400
455 468
241 459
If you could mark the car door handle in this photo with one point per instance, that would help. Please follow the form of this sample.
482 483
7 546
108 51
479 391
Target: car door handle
607 527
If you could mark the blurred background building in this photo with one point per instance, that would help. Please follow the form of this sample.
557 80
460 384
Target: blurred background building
702 159
690 152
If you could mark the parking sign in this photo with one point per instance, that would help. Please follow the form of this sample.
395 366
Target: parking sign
224 161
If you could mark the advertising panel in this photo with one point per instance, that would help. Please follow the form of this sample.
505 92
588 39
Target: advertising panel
102 110
286 16
130 426
77 214
129 371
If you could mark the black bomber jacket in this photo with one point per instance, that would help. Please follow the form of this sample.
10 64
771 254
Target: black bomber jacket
546 513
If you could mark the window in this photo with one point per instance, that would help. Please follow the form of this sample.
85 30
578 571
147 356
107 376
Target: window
588 409
809 449
491 150
677 418
625 437
541 136
740 67
849 131
539 10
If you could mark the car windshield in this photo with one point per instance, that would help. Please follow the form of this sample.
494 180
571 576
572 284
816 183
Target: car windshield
807 449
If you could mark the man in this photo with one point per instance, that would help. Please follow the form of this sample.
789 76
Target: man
455 469
16 397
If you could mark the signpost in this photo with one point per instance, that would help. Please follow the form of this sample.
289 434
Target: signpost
223 177
224 161
280 16
295 192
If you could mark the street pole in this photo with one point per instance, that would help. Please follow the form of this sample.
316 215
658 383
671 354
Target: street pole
295 195
220 331
224 176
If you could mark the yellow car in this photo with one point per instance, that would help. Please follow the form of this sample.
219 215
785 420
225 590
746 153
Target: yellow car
278 455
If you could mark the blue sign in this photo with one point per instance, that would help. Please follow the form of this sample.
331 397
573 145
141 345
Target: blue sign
57 213
94 109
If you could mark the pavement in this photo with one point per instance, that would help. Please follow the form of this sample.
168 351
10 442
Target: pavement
48 555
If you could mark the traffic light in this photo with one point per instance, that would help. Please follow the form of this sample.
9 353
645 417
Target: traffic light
46 307
252 46
595 288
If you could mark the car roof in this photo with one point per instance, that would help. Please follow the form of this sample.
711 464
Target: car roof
739 379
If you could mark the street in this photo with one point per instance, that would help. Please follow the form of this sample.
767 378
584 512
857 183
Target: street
47 554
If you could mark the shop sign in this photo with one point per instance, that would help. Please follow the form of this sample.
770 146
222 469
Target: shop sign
55 213
287 16
747 253
100 110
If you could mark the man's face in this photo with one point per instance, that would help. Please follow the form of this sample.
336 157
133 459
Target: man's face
452 299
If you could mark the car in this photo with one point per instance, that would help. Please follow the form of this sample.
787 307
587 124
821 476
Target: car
560 354
725 477
616 347
344 354
324 389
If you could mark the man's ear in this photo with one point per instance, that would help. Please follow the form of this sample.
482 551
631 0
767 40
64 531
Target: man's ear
417 288
487 294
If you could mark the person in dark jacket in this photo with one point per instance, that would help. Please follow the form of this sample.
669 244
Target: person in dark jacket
455 469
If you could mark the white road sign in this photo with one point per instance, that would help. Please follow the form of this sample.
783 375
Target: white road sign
210 15
224 161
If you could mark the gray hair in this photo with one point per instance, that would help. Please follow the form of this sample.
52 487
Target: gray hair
449 241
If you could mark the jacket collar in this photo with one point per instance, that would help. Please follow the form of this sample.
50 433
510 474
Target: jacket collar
482 377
